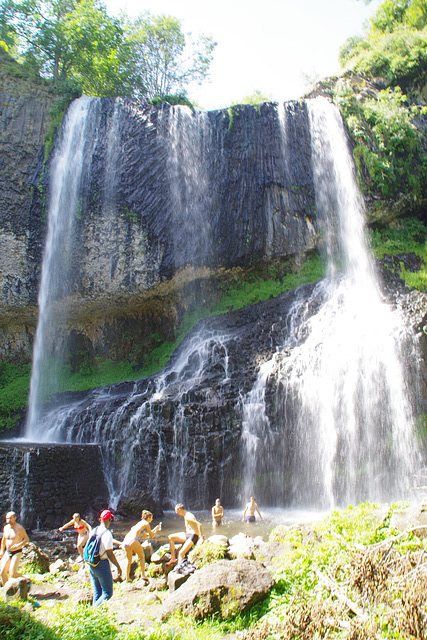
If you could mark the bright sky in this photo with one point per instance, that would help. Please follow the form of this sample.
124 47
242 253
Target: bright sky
265 45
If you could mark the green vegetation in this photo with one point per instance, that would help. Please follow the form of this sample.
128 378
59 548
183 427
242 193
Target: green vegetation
16 624
389 151
404 236
350 578
394 46
256 98
76 40
14 390
390 146
347 577
173 100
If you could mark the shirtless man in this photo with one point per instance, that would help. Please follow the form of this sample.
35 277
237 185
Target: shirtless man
191 536
217 513
249 512
14 538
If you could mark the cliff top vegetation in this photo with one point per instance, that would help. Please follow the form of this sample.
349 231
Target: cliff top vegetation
75 43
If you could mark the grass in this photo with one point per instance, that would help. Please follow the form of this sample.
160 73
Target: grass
407 235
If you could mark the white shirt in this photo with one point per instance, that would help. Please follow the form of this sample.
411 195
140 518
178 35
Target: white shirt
106 541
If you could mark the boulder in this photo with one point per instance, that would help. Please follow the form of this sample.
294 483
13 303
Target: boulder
241 546
16 588
224 588
31 554
176 580
410 518
134 502
58 566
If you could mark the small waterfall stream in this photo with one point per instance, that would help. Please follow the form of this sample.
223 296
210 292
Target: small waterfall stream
187 137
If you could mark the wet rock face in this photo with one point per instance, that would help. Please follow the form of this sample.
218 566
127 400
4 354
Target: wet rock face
164 190
46 484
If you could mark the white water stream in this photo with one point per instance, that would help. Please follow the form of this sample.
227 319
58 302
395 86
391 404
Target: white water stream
338 377
67 171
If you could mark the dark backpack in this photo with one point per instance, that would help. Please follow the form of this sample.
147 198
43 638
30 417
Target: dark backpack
91 553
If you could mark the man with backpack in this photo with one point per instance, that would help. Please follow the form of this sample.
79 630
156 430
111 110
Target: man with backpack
98 553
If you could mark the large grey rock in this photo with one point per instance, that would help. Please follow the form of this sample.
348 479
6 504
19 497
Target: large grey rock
32 554
411 518
225 588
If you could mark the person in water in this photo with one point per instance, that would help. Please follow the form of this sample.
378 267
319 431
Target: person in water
82 528
249 512
192 535
217 513
132 545
13 540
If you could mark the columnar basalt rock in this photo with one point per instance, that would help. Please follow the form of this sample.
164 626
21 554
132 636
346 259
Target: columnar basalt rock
171 196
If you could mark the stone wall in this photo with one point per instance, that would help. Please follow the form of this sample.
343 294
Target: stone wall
46 484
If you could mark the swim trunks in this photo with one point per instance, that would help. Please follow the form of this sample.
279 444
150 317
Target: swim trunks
250 519
192 536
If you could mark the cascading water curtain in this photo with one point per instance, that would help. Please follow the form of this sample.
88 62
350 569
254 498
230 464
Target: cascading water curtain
340 392
70 162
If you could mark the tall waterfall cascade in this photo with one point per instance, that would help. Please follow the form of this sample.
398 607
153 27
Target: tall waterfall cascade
71 161
323 416
338 377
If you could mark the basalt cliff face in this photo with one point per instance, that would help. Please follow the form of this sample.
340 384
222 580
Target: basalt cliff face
173 201
24 122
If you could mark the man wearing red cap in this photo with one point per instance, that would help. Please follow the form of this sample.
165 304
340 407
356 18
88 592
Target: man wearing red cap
102 579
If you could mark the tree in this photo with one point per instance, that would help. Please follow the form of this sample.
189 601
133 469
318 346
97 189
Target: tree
256 98
77 40
66 39
162 61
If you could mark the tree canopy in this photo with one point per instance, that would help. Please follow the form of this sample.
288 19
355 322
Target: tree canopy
77 40
161 60
395 45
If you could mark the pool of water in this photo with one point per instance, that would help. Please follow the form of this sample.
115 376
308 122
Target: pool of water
231 524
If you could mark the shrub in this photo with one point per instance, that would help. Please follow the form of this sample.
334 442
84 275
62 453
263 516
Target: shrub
16 624
389 154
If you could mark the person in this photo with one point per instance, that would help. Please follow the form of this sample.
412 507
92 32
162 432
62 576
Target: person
101 576
249 512
83 531
14 539
131 543
188 538
217 513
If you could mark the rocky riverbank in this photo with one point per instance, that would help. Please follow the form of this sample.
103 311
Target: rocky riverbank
360 573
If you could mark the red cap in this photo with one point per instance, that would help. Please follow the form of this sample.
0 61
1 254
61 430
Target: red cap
106 515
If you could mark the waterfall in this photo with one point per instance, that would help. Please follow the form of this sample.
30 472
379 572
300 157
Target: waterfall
338 382
301 400
145 429
187 137
67 170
